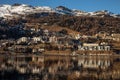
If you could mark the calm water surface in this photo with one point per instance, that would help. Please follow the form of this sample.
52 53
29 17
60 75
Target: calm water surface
59 68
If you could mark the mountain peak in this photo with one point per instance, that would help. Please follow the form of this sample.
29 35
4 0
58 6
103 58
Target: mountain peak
63 8
16 4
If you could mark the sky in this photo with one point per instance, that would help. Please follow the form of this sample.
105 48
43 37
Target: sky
84 5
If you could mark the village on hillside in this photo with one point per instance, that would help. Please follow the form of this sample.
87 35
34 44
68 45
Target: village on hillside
62 41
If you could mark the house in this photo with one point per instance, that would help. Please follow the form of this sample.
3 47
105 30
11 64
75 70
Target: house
102 34
108 37
103 43
116 37
4 44
46 32
36 39
77 36
22 40
90 44
22 49
93 47
53 39
32 29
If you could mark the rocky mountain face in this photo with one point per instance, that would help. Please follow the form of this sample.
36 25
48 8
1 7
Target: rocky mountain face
13 20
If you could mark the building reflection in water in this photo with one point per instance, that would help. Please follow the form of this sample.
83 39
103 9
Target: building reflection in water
59 68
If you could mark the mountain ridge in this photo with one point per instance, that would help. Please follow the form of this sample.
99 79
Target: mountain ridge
86 23
23 9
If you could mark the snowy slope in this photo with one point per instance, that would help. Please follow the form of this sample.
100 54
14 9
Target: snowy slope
23 9
9 10
80 13
5 10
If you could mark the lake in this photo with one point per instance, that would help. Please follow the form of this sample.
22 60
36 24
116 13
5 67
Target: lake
59 68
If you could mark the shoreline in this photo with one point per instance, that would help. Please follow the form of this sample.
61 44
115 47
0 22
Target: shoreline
62 55
65 53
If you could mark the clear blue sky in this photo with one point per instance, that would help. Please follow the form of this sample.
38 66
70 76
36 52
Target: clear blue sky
85 5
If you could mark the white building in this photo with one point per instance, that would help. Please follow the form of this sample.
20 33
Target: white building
94 47
53 39
22 39
90 44
36 39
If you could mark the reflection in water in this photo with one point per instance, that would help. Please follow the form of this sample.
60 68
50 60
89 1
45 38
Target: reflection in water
59 68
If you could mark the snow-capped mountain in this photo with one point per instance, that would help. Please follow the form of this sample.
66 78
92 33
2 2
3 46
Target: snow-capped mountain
17 10
13 10
63 10
80 13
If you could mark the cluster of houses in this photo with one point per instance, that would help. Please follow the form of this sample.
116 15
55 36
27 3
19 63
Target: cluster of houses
107 36
94 47
61 39
64 40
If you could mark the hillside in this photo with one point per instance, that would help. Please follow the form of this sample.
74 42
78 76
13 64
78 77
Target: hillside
15 17
82 24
